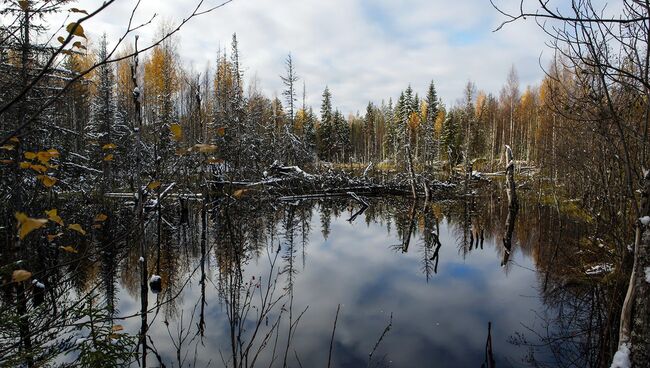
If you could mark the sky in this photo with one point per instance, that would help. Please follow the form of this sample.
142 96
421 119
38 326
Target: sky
364 50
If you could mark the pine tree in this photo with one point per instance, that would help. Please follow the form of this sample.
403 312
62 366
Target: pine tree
325 131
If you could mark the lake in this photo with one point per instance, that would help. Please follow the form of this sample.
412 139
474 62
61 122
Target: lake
416 284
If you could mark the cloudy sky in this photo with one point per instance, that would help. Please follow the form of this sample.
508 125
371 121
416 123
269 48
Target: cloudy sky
363 49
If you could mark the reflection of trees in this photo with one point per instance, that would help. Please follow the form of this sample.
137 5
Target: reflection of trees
579 324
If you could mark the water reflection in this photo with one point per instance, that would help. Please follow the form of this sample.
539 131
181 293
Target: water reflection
254 283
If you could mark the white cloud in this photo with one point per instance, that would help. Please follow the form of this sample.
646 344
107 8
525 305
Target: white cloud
364 50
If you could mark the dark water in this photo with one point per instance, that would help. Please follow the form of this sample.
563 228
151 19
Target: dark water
431 302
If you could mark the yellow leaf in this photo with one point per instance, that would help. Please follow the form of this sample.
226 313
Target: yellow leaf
177 131
76 29
6 161
117 328
221 131
205 148
48 181
109 146
38 168
53 216
108 157
61 39
25 165
101 218
153 185
239 193
79 45
20 276
27 224
7 147
69 249
30 155
14 139
51 237
45 156
77 228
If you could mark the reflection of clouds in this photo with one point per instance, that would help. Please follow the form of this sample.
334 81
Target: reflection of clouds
443 322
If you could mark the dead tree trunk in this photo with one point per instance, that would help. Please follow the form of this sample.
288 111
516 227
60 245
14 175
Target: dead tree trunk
635 316
511 189
409 159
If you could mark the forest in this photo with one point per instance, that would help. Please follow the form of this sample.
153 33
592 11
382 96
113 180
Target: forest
129 175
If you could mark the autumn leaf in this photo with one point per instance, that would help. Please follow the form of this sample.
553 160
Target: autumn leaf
7 147
51 237
205 148
77 228
47 181
79 45
101 218
153 185
24 4
20 276
76 29
69 249
25 165
239 193
14 139
61 39
108 157
27 224
54 217
117 328
109 146
6 161
221 131
30 155
38 168
177 131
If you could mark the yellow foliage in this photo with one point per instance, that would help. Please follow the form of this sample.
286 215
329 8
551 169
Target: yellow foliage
154 185
69 249
27 224
7 147
108 157
221 131
53 216
109 146
101 218
51 237
76 29
205 148
38 168
177 131
239 193
20 276
47 181
77 228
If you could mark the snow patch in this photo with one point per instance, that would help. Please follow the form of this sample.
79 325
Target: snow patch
599 269
155 278
141 260
645 220
622 357
38 284
647 275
